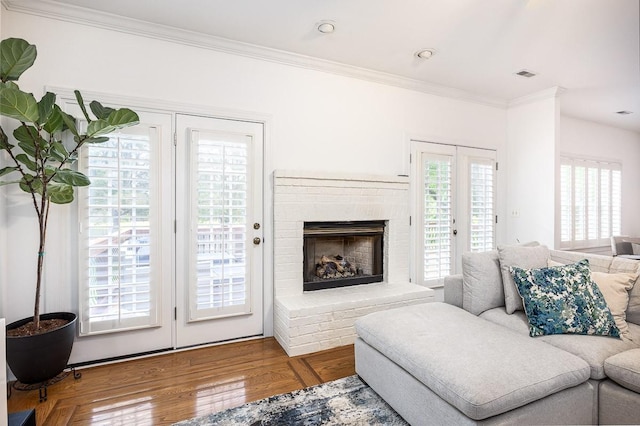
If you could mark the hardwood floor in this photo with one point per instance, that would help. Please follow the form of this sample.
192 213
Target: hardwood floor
168 388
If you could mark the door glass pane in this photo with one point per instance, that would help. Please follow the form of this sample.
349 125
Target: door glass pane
437 217
566 203
117 237
219 233
481 202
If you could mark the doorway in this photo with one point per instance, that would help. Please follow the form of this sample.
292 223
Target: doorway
219 229
454 206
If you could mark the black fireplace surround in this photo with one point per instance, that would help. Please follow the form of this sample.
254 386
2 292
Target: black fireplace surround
340 254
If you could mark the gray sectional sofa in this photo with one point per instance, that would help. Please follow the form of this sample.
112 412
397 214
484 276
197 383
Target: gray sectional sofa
470 361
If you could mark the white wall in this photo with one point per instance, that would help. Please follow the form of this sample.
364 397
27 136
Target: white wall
531 169
320 121
593 140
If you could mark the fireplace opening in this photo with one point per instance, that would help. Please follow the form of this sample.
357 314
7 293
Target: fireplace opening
340 254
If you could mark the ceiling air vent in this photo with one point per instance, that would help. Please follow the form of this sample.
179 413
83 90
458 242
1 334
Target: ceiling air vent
526 73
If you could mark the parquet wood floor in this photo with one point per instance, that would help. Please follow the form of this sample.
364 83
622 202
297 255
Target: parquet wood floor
167 388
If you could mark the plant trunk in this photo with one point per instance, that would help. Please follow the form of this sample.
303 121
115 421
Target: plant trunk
42 222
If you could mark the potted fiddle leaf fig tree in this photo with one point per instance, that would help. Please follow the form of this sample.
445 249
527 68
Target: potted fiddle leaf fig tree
42 150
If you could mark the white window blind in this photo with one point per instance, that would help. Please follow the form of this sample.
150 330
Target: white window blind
220 176
437 216
590 202
118 213
481 204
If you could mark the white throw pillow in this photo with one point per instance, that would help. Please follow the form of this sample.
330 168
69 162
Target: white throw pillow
615 288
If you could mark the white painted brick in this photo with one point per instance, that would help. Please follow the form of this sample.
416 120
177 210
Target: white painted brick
314 196
303 339
302 321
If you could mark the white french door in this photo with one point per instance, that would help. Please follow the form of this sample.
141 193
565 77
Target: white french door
454 206
219 229
125 241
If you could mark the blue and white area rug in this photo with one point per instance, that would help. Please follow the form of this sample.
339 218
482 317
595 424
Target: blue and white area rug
347 401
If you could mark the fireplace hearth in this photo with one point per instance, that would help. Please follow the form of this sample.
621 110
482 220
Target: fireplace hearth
340 254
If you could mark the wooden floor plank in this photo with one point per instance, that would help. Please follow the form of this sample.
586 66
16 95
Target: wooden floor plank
167 388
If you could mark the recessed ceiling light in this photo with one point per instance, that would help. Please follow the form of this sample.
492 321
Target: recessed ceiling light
624 112
425 53
526 73
326 27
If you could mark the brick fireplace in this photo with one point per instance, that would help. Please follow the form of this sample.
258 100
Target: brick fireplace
309 321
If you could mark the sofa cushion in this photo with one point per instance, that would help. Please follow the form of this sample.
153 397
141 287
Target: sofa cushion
592 349
481 281
615 288
631 266
624 369
597 262
523 257
480 368
564 299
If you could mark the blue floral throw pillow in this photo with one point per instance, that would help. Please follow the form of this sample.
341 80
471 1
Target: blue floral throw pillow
563 300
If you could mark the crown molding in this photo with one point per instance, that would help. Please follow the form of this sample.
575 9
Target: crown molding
552 92
71 13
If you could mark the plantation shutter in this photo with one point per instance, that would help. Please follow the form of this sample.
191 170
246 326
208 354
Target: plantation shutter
590 202
437 215
481 204
120 267
220 175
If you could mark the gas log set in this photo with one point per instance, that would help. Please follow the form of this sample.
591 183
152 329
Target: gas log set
339 254
336 267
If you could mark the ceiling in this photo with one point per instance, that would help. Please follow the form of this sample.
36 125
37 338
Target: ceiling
590 48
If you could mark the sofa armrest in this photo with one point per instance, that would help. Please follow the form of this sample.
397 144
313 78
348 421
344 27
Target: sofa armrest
453 290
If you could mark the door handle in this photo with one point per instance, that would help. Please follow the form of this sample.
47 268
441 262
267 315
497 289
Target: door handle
257 240
455 232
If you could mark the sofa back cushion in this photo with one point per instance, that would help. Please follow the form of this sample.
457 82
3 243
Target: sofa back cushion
620 264
481 282
523 257
597 262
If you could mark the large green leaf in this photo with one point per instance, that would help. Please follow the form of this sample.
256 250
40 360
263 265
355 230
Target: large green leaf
36 184
58 151
71 177
60 193
54 122
9 85
29 135
19 105
99 139
99 127
81 104
70 122
7 170
28 148
100 111
123 117
8 182
45 107
24 159
16 56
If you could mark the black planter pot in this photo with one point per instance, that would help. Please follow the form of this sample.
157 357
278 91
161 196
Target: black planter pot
38 358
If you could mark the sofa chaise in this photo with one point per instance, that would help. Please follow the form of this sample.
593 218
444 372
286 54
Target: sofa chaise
471 360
